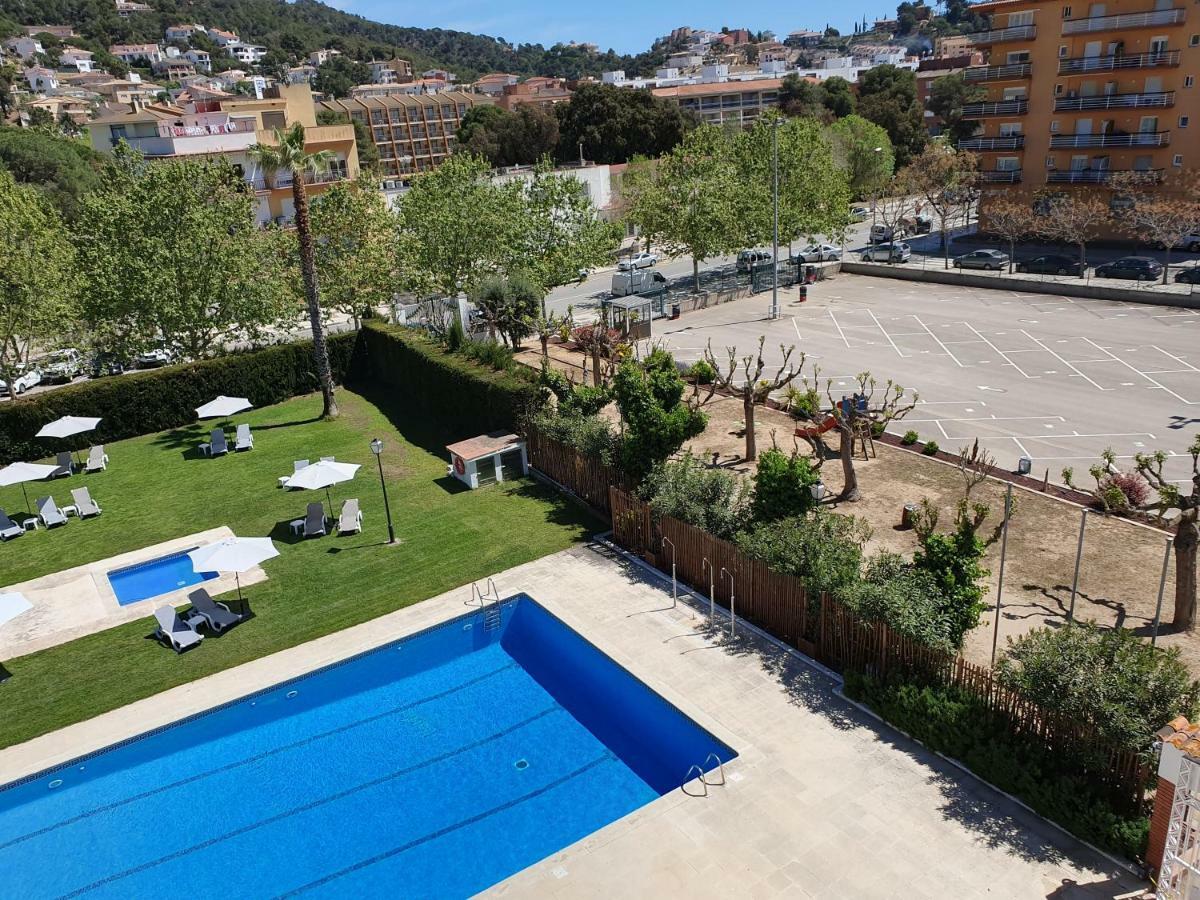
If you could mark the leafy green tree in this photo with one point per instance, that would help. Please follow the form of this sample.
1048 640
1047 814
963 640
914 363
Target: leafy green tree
171 250
907 599
800 97
614 124
521 309
887 96
864 151
947 96
658 420
823 549
783 486
837 95
337 75
9 77
62 169
286 154
368 153
712 499
943 178
354 235
518 138
39 276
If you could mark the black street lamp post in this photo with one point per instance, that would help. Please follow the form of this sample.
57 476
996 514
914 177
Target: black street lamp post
377 449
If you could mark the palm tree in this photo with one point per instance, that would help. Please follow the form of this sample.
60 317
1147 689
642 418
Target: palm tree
287 154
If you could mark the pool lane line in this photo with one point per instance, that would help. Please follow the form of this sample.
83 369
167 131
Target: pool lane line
250 760
314 804
442 832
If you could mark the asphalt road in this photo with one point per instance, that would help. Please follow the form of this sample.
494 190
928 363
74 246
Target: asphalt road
1051 378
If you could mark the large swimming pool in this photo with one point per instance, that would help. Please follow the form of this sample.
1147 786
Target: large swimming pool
433 767
155 577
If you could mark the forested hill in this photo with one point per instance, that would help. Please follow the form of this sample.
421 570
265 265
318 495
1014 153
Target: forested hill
299 27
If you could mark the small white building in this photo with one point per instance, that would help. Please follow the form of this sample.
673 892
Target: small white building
246 53
487 459
183 32
41 80
201 59
76 60
223 38
617 76
134 53
320 57
24 47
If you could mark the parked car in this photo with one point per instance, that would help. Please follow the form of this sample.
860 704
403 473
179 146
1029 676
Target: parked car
982 259
921 223
748 259
1188 276
24 376
625 283
1189 242
61 366
889 253
883 234
1051 264
641 260
1133 268
818 253
106 363
154 357
859 213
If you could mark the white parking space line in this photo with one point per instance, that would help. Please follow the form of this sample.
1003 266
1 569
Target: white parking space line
939 340
885 334
1177 359
1064 361
839 328
1134 368
1003 354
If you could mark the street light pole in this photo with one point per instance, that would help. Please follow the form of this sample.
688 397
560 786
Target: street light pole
775 212
377 449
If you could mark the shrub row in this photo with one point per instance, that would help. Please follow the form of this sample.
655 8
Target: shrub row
955 723
155 400
466 397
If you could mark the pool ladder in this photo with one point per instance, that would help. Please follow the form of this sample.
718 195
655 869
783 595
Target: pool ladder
491 610
704 782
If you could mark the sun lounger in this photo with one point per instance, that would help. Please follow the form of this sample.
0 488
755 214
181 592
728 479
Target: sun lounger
314 520
328 459
84 504
218 616
296 467
217 445
65 465
9 528
351 518
245 440
49 512
174 630
97 460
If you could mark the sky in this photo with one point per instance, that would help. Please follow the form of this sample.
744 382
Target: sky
627 26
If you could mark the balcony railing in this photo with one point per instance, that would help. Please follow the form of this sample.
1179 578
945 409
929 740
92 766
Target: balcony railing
1096 176
998 73
1001 108
1008 142
1124 21
284 179
1000 176
1016 33
1116 101
1137 139
238 126
1152 60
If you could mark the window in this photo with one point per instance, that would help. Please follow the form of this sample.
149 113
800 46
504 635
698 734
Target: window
1058 90
1183 121
1194 40
1066 12
1177 160
1158 45
1008 164
1054 126
1062 51
1020 18
1189 80
1051 162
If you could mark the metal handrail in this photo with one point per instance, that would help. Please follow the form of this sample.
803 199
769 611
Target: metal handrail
688 777
1000 176
712 592
1123 21
1008 142
674 582
1116 101
996 73
1134 139
1121 61
999 108
732 614
1096 176
1015 33
720 766
492 592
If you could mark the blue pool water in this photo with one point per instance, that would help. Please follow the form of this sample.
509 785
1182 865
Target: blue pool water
433 767
157 576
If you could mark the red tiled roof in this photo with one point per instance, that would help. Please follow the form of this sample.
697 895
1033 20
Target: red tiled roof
484 445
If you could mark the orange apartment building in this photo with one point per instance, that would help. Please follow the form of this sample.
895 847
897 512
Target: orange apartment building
1078 91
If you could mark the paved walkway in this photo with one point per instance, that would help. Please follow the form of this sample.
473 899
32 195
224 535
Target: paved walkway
822 800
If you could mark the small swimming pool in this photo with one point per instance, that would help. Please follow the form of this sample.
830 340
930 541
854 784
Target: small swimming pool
432 767
155 577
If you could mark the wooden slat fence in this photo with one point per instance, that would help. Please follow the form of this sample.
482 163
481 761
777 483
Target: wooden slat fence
585 476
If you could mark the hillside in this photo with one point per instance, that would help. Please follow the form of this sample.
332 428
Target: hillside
296 28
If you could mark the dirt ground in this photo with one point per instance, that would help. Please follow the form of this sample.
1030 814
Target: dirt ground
1118 575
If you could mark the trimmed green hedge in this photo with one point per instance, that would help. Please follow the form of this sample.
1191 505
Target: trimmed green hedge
466 397
155 400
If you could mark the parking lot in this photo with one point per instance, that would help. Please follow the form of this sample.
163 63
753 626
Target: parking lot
1051 378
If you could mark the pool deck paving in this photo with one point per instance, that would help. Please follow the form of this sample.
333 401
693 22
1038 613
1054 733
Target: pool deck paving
823 800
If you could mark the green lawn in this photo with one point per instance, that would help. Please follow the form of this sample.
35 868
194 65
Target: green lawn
157 488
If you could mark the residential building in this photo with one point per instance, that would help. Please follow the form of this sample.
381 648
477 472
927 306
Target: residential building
59 31
75 109
126 8
24 47
420 86
184 32
76 60
173 69
133 54
392 71
413 133
803 38
41 80
739 102
1076 93
201 59
538 91
223 38
494 84
952 45
440 75
596 181
324 55
684 60
246 53
229 128
302 74
126 90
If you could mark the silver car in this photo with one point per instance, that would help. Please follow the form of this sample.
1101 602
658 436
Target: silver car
889 253
23 377
982 259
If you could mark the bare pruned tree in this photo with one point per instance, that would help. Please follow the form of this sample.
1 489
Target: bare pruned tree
1187 532
1157 211
1010 218
750 385
1077 217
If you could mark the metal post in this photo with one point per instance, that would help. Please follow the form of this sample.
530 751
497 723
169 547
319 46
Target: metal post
377 449
732 614
1162 586
1000 584
775 229
674 583
1078 558
712 593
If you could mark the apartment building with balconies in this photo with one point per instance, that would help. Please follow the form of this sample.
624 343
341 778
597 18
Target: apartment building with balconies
229 128
1076 92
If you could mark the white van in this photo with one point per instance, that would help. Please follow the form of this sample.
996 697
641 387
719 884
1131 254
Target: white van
638 281
747 260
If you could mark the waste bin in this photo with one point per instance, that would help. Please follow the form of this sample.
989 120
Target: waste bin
810 274
674 310
803 293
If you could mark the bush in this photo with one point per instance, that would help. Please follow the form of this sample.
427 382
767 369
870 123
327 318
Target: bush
657 421
155 400
589 435
822 549
953 562
1057 786
907 600
930 448
465 397
1125 490
910 438
783 486
702 372
803 404
1108 677
489 353
455 338
712 499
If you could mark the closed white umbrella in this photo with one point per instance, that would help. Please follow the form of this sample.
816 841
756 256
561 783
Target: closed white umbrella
21 472
223 407
233 554
67 426
323 474
12 605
